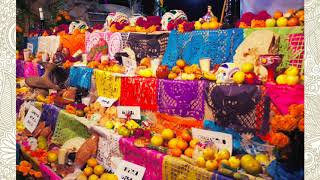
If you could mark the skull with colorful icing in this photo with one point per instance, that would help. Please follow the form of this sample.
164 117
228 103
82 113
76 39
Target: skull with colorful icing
115 17
172 15
79 24
225 72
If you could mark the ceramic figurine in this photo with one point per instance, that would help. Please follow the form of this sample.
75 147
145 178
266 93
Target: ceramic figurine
225 72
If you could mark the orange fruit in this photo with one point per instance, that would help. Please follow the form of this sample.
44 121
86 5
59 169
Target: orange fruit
193 143
98 170
189 152
186 136
176 152
293 21
277 14
172 144
182 144
88 171
172 75
181 63
300 13
176 69
92 162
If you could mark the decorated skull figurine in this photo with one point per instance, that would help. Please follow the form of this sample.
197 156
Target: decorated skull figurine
79 24
225 72
115 17
172 15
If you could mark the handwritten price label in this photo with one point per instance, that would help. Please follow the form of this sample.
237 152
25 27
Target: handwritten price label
129 171
221 140
106 102
133 111
32 118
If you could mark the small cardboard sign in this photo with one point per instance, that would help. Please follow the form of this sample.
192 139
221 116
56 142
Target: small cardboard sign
134 111
32 118
106 102
221 140
30 46
129 171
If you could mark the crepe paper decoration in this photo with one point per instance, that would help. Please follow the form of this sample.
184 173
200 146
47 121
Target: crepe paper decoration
139 91
150 159
283 96
93 39
107 85
30 69
80 77
176 123
182 98
19 68
174 168
108 148
48 173
244 108
48 44
218 45
50 114
296 45
73 42
68 127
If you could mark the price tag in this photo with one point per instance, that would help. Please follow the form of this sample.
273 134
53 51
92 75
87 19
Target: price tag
134 111
32 118
30 46
129 171
106 102
221 140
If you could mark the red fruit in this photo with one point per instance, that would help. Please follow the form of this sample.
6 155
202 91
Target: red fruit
186 136
293 21
250 78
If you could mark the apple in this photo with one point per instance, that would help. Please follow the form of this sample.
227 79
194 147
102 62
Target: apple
292 71
223 154
211 165
270 22
292 80
263 159
123 131
157 140
282 22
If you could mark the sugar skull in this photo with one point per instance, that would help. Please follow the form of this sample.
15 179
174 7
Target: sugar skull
79 24
225 72
115 17
172 15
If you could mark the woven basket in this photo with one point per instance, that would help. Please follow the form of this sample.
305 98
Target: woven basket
174 168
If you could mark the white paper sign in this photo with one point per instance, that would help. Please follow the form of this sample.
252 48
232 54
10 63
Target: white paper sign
30 46
129 171
106 102
123 111
129 64
32 118
221 140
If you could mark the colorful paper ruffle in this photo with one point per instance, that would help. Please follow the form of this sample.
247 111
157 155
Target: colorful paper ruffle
139 91
182 98
107 85
80 77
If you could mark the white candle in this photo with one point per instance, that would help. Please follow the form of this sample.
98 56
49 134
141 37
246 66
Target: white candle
41 14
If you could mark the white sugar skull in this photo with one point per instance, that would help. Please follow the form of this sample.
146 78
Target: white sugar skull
115 17
172 15
225 72
79 24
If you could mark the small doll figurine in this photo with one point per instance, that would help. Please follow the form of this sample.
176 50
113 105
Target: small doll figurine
207 17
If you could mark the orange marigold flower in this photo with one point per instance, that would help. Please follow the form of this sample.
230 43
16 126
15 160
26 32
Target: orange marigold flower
258 23
279 139
243 25
296 110
301 125
284 123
